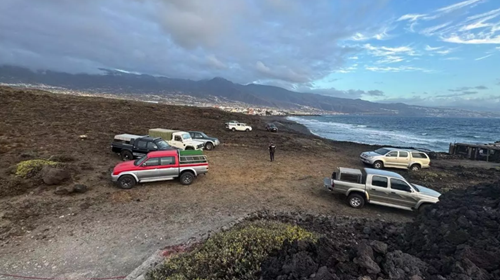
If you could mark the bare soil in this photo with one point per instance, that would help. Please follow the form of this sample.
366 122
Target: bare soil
107 231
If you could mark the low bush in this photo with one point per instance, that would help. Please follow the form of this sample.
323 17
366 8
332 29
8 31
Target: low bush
29 168
235 254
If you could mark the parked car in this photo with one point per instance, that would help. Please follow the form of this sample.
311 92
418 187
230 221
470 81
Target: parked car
379 187
231 123
210 142
271 127
396 158
130 146
240 127
160 166
177 138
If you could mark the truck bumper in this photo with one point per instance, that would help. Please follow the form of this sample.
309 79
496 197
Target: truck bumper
365 160
114 178
327 183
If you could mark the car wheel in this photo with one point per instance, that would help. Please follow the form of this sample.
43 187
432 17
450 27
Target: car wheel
356 200
127 155
233 129
209 146
187 178
247 130
126 182
415 167
378 164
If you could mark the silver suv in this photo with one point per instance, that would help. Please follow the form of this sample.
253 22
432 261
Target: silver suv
396 158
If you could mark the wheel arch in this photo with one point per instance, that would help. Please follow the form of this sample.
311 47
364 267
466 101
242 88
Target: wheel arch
184 170
363 193
128 173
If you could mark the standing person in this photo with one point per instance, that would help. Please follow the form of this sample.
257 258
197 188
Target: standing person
272 149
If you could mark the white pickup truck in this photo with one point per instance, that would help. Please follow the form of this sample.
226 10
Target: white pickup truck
239 127
176 138
379 187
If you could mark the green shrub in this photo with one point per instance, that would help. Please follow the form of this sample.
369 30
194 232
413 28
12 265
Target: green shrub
235 254
29 168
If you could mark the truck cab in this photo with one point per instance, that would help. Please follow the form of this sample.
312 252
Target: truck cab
131 146
177 138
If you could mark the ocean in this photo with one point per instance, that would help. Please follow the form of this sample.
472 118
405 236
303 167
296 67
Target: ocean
420 132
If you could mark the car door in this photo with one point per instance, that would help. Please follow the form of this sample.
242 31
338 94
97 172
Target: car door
177 142
149 170
378 189
402 194
391 159
403 159
168 168
141 148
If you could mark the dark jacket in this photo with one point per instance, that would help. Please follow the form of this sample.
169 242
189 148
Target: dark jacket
272 148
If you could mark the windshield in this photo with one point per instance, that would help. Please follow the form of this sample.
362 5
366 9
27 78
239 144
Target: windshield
381 151
186 136
162 145
272 125
139 161
415 187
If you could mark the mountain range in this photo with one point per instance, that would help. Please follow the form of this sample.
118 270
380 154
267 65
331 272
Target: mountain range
119 82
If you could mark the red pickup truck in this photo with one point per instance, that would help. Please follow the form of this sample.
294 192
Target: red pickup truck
160 166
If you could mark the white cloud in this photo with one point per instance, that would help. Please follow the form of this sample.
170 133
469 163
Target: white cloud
429 48
390 51
353 57
396 69
411 17
471 39
391 59
453 58
432 30
480 20
457 6
382 35
483 57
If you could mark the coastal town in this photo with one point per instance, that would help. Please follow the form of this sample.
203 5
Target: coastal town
181 100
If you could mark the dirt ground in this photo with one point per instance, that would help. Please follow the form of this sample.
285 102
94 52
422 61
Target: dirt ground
107 231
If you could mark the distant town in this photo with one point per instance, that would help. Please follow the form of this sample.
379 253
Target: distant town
182 100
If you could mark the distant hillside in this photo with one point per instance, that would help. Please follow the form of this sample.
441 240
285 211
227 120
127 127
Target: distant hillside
118 82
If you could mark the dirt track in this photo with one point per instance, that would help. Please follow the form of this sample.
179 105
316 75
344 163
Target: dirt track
107 231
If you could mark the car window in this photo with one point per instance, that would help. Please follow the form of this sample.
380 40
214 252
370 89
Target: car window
152 162
141 144
152 146
403 154
353 178
400 185
198 135
178 138
418 155
379 181
167 160
392 154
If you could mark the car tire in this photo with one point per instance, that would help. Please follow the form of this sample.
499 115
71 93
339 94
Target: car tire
187 178
127 155
378 164
415 167
356 200
126 182
247 130
233 129
209 146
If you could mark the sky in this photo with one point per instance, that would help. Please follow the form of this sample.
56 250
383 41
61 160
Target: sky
421 52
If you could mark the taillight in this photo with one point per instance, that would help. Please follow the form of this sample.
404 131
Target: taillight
333 183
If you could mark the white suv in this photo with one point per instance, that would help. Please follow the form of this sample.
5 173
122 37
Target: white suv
396 158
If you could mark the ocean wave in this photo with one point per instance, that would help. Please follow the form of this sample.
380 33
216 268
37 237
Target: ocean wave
418 135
